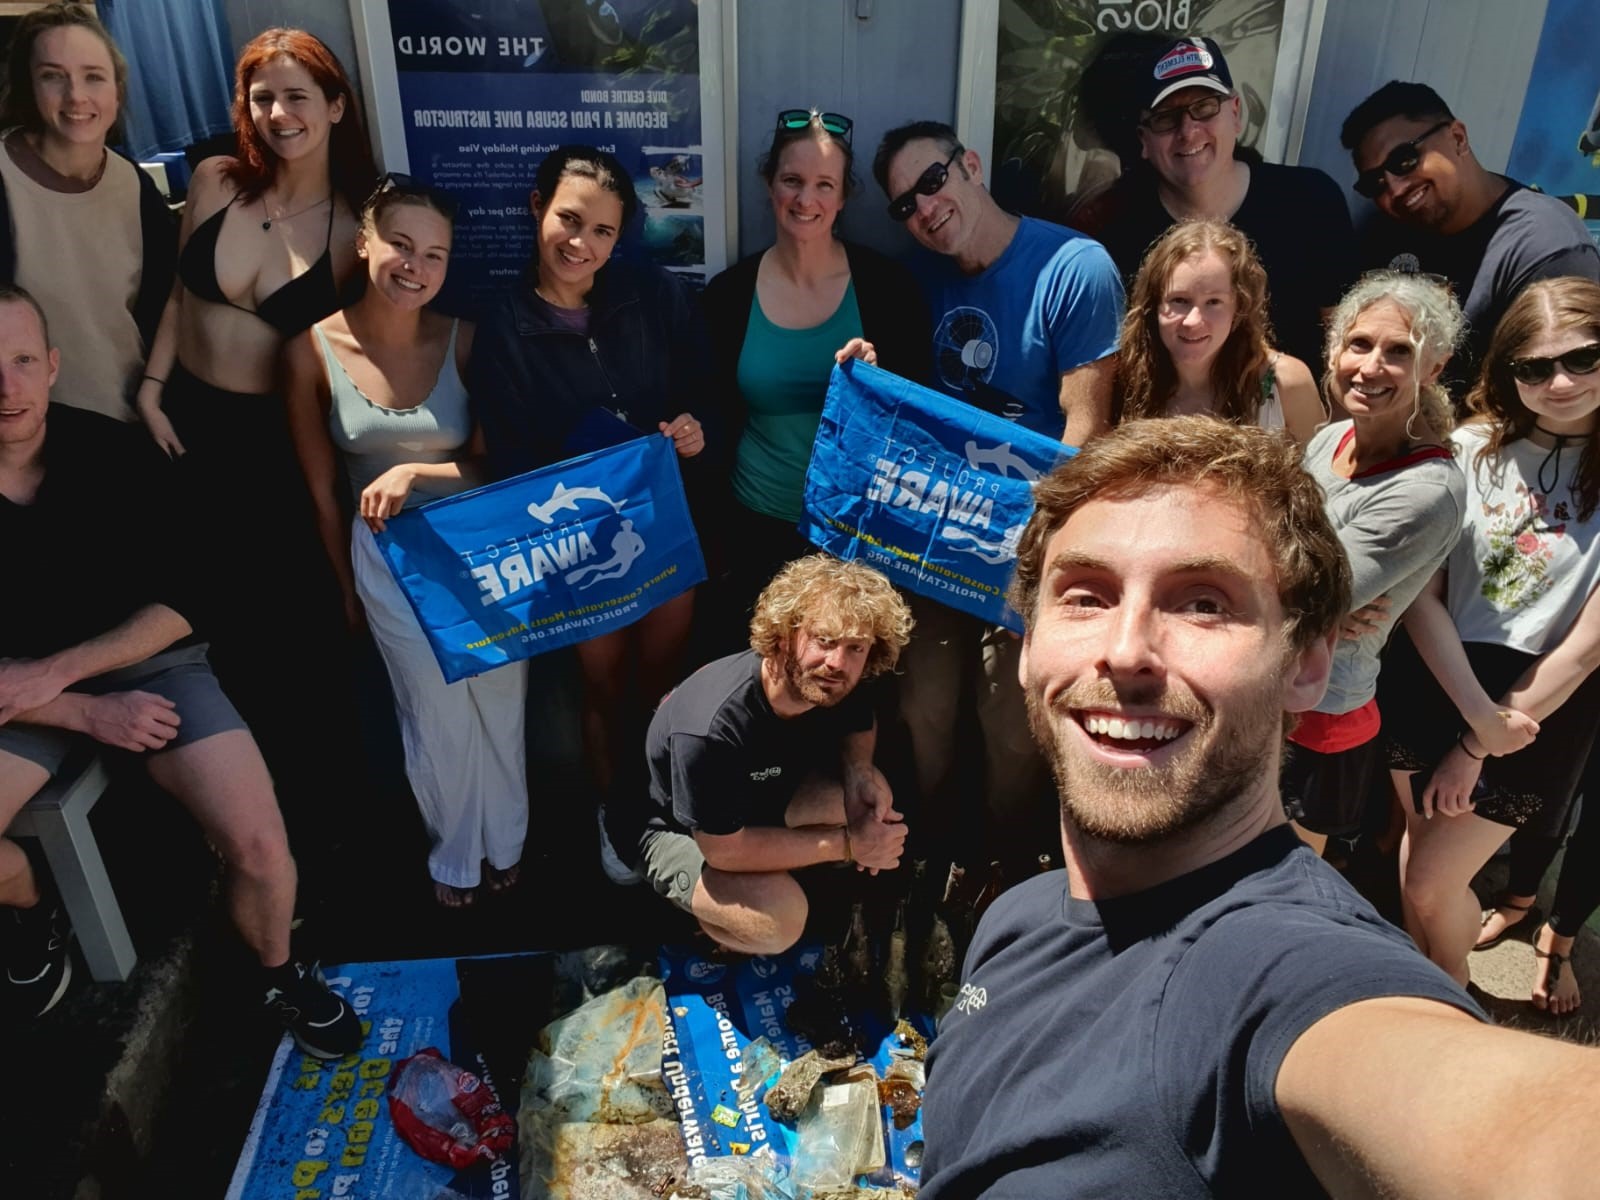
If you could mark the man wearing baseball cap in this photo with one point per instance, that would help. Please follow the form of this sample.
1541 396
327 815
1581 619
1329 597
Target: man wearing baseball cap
1189 123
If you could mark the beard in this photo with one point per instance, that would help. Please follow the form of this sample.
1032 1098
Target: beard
1132 806
807 685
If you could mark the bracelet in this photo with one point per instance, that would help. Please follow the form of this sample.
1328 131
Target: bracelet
849 852
153 379
1462 742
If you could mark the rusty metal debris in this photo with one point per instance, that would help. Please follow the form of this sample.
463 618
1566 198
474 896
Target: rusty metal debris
787 1098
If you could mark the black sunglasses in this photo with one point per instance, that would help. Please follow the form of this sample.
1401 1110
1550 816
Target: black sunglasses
1165 120
410 185
928 183
1580 361
1402 160
798 118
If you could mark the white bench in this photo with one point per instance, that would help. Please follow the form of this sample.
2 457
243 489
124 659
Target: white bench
59 817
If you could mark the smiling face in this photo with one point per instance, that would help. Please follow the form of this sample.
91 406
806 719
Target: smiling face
807 188
289 111
1155 666
578 229
1430 195
1197 309
1194 149
74 86
1567 402
1376 372
946 221
822 669
407 253
27 369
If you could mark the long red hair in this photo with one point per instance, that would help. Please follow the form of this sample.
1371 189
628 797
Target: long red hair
350 165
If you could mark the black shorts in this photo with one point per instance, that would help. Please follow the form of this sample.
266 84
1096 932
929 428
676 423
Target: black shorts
1327 793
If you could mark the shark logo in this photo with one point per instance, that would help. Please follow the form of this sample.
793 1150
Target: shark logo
567 498
1001 459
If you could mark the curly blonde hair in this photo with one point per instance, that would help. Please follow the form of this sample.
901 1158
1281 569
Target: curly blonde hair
831 598
1146 379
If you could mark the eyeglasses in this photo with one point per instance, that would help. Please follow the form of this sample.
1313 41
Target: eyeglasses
409 185
798 118
1165 120
1400 161
927 184
1580 361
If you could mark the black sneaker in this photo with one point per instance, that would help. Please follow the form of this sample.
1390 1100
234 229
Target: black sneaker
322 1024
38 967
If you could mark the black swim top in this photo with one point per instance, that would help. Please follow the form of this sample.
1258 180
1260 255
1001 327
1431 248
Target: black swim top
293 308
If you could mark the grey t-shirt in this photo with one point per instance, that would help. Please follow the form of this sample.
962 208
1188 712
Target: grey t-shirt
1397 521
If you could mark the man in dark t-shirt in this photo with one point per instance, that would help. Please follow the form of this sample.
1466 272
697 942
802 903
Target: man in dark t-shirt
1444 213
96 655
761 762
1189 124
1198 1006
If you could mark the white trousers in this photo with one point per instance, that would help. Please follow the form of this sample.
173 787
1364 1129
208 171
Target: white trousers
465 754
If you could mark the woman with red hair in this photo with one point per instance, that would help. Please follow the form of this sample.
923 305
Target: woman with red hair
266 248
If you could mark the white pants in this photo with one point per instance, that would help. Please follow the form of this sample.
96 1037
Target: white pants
465 755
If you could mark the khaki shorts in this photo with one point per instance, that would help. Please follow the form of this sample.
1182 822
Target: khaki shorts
672 863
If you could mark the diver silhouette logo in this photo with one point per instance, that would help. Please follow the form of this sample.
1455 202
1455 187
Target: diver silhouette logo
565 498
993 553
626 546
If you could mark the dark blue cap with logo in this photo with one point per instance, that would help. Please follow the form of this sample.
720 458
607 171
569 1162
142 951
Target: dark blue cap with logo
1187 62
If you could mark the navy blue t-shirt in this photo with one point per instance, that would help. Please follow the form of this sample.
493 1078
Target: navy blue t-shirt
1131 1047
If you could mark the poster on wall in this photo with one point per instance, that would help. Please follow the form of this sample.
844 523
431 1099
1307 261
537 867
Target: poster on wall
470 95
1047 154
1557 147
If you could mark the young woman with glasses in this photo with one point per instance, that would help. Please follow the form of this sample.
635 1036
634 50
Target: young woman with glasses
1503 640
1195 338
775 321
377 389
591 351
81 227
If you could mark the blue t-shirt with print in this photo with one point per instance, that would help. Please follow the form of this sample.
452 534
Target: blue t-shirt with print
1003 338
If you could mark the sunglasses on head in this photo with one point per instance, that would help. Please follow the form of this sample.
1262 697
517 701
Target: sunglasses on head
409 185
1580 361
1400 161
798 118
927 184
1165 120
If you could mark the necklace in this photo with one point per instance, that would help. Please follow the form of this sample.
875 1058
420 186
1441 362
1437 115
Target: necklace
1554 456
268 223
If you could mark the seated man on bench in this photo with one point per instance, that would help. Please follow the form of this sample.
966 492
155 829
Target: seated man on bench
94 648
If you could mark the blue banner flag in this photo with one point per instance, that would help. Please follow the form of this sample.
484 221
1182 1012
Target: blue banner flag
546 559
932 492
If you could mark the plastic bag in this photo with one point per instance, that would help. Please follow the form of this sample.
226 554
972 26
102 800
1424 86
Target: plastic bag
445 1113
840 1134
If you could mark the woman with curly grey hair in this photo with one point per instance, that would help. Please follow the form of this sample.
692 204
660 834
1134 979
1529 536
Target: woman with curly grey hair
1395 497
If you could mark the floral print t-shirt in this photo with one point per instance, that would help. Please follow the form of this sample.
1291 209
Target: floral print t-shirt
1525 564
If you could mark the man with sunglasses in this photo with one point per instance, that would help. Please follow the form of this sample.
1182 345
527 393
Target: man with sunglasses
1444 213
1189 123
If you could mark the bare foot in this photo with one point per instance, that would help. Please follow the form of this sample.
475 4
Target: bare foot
497 880
1555 987
1501 919
452 897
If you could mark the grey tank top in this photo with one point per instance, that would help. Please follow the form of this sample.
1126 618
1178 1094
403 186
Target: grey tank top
373 438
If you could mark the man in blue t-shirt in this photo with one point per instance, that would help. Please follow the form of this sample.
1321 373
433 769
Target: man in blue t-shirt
1198 1006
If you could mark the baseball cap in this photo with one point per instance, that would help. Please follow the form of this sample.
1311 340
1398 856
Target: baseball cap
1187 62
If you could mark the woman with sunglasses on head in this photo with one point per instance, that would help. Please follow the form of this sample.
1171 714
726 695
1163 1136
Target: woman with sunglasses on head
377 387
1504 639
775 321
81 227
587 352
267 247
1395 498
1195 338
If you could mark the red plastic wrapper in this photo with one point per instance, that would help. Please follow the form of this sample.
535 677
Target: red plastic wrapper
445 1113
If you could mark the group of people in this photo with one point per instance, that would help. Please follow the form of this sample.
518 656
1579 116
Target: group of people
1412 460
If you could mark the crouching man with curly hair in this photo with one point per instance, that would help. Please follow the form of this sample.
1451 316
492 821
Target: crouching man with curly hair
761 762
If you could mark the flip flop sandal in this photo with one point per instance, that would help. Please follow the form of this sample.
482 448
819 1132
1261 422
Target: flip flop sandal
1557 963
1501 936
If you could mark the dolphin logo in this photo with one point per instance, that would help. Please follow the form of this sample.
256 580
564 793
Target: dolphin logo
999 458
567 498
